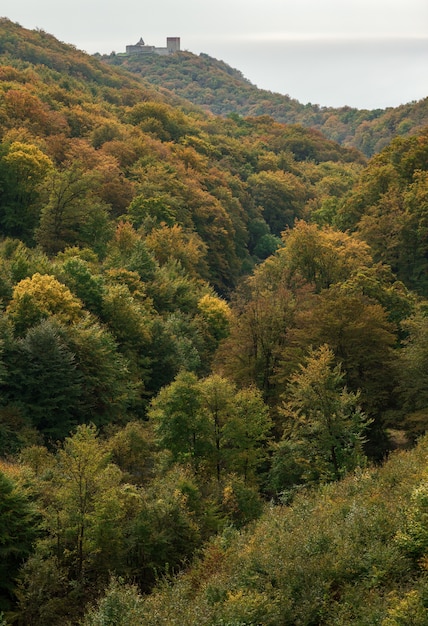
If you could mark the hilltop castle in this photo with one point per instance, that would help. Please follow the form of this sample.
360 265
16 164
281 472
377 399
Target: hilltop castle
172 45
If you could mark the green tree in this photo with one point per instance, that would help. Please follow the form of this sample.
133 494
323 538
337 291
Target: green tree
165 532
212 425
281 195
239 426
18 531
174 346
89 288
152 210
87 515
323 424
130 322
246 433
87 508
128 251
23 262
405 610
23 168
180 424
173 289
412 366
217 400
107 391
358 331
43 380
412 267
121 605
133 449
73 215
389 208
413 536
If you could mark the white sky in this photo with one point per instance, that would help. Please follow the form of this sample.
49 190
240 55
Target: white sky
364 53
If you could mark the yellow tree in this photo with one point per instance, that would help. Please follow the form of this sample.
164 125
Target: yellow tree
213 322
23 168
320 256
174 242
40 297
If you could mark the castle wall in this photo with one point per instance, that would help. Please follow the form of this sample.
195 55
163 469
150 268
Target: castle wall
137 49
172 45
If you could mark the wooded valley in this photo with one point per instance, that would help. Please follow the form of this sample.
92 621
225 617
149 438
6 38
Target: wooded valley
213 351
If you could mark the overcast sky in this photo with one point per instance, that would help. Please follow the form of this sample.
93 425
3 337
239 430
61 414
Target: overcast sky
364 53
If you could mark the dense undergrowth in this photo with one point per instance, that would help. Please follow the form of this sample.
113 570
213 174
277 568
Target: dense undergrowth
352 552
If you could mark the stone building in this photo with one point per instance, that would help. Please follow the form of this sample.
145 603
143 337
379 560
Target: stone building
172 45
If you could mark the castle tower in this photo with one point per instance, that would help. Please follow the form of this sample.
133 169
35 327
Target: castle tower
173 44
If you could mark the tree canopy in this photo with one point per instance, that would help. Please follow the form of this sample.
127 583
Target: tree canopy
213 334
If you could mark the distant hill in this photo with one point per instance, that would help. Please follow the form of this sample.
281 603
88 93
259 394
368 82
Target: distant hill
219 88
161 149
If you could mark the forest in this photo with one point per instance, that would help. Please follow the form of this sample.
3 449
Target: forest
213 359
223 90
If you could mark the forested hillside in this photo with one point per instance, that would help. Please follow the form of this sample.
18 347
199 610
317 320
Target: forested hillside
217 87
351 553
212 330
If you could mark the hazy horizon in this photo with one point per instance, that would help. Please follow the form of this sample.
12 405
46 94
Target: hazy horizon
361 74
360 53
